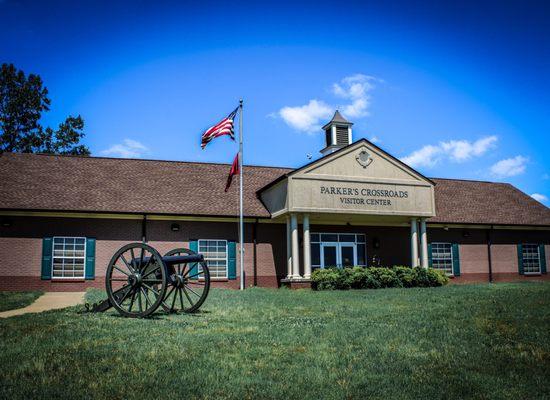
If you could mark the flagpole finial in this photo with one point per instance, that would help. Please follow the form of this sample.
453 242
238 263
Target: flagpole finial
241 102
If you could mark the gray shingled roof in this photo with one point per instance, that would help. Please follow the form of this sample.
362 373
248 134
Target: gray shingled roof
475 202
91 184
43 182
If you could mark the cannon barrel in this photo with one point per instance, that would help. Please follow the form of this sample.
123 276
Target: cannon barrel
189 258
173 260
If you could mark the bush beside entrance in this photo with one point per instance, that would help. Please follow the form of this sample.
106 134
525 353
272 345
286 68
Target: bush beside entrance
376 278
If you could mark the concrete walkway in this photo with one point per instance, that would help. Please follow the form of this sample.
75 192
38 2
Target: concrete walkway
48 301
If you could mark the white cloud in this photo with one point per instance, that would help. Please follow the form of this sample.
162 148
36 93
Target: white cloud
455 150
307 118
355 88
375 139
462 150
427 156
509 167
539 197
127 149
310 117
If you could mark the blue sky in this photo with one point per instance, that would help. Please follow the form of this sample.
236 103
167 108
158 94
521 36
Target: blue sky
456 90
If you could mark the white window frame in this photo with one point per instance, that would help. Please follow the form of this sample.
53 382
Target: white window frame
523 259
452 273
338 243
217 259
79 278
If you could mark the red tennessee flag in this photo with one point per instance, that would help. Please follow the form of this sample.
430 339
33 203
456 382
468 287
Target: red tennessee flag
232 172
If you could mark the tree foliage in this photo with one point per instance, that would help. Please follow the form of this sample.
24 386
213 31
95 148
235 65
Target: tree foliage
23 99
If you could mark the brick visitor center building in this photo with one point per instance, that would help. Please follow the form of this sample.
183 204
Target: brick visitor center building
63 217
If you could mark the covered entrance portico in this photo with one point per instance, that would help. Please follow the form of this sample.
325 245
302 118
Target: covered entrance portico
339 198
346 245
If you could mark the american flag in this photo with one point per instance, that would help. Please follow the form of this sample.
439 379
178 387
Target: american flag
224 127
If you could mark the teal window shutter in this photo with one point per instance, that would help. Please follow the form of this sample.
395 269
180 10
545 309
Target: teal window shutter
231 259
194 246
542 255
430 262
47 258
456 260
90 258
520 259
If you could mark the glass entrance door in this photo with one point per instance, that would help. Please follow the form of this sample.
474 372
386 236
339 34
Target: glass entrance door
348 255
329 254
334 254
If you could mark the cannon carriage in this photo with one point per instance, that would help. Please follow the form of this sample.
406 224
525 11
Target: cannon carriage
139 281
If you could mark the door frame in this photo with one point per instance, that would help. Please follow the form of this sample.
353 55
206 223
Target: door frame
338 246
347 244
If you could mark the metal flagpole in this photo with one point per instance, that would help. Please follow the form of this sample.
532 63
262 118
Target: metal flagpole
241 225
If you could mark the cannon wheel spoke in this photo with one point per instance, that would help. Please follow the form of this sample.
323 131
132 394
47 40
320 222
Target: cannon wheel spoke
146 297
187 295
167 298
120 270
127 264
132 301
142 268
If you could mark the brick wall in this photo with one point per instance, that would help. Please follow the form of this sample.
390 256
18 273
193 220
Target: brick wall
21 248
265 248
474 260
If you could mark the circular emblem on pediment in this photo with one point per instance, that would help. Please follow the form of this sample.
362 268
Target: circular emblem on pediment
364 159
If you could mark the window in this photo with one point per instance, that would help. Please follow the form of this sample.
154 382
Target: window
69 257
531 258
215 254
337 249
442 257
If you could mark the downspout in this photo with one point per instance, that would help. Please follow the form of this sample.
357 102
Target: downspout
254 252
489 253
144 229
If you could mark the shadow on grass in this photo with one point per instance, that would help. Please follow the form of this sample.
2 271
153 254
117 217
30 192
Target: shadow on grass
156 316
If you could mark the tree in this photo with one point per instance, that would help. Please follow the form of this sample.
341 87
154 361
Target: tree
22 101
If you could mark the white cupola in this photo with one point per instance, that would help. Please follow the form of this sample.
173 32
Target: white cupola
337 133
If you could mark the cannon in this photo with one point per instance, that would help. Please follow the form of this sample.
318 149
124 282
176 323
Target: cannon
139 281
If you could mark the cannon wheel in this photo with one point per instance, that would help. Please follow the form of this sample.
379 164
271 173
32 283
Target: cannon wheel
136 280
189 287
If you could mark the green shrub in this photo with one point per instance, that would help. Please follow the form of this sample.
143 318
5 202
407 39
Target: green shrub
325 279
376 277
437 278
429 277
387 277
405 275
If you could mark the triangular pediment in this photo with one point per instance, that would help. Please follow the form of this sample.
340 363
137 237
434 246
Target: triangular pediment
362 160
358 179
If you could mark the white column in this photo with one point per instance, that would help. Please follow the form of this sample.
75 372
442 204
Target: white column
423 243
288 249
414 243
307 248
295 256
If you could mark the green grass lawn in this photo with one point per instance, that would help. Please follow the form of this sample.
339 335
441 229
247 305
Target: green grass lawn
14 300
454 342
